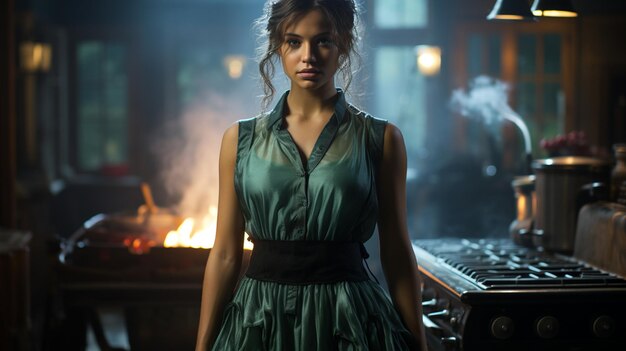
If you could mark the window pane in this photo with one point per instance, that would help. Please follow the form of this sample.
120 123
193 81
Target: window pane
89 107
88 56
89 142
527 53
475 55
199 68
102 105
495 46
554 108
526 101
552 54
400 93
483 52
527 109
116 145
400 13
204 70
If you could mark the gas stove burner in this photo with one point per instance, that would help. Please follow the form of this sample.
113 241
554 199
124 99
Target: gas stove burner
491 294
500 264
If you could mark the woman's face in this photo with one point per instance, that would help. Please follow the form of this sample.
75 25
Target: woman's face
308 54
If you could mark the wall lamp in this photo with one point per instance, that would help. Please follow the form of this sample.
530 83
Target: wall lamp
428 59
35 57
234 65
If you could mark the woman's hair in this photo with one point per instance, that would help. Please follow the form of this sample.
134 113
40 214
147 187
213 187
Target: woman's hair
278 15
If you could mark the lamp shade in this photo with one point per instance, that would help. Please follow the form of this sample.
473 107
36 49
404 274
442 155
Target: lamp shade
553 8
511 10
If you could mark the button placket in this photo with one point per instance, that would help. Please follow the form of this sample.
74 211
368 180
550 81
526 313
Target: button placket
304 200
304 168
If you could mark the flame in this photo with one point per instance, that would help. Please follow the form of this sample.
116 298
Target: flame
199 235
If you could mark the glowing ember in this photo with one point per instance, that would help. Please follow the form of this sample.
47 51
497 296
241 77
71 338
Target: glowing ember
138 246
197 235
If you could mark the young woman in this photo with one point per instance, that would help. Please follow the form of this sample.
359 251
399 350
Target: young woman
309 181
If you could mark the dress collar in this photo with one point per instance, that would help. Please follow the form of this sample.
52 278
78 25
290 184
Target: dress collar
277 113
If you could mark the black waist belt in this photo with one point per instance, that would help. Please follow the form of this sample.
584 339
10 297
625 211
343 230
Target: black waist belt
303 262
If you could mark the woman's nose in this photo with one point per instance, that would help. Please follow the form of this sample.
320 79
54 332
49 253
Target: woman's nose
308 54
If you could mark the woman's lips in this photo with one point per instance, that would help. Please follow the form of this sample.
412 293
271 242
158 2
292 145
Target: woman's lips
308 73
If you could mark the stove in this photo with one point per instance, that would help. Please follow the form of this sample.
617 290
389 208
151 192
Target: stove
490 294
117 262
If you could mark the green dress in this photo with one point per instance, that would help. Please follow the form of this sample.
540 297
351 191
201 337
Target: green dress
332 197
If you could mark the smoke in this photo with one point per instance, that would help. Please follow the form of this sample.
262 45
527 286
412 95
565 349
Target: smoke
190 153
486 101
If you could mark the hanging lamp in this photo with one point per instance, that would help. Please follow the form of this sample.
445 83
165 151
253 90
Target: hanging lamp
553 8
511 10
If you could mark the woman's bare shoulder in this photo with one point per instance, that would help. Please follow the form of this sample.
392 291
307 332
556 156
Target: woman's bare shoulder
393 134
230 140
231 133
394 150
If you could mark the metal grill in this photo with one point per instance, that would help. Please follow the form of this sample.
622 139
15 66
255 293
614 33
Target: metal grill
499 264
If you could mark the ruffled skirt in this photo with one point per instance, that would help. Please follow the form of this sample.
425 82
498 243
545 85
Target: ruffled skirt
345 316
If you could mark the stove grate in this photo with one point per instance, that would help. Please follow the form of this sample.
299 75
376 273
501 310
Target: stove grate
500 264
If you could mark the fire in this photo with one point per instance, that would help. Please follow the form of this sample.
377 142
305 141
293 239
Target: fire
198 235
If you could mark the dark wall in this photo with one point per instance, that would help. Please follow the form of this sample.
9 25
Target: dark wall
7 116
602 74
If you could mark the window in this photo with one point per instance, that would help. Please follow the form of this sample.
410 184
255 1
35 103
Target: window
399 90
535 71
539 93
484 55
206 73
102 105
400 93
390 14
199 69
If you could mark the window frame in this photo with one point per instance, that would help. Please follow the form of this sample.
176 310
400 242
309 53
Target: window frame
125 37
509 63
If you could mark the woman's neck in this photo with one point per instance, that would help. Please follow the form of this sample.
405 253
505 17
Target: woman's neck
307 103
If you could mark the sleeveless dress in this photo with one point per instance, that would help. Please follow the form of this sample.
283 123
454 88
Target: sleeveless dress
332 197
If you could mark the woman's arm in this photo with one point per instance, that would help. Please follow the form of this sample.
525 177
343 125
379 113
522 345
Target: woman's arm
396 252
224 263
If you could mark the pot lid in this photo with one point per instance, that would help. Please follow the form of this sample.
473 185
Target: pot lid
570 162
524 180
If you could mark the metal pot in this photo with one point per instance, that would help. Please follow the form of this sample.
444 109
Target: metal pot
563 185
521 228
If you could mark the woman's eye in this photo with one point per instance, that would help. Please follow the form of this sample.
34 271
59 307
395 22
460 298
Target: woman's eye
325 42
293 42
